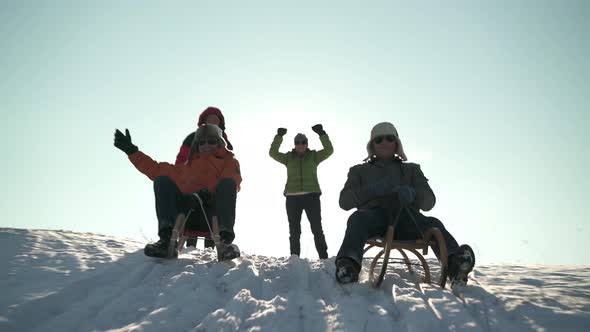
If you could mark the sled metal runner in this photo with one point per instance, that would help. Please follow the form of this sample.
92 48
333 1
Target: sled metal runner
180 234
432 236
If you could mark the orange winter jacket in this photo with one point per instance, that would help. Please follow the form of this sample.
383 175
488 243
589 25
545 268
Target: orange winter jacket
199 173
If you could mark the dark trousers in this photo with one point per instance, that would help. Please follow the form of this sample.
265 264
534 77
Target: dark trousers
312 206
170 202
365 224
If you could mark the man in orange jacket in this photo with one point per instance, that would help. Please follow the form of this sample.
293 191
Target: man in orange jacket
211 170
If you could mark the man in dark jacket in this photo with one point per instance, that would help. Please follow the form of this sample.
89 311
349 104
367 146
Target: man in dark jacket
378 189
303 189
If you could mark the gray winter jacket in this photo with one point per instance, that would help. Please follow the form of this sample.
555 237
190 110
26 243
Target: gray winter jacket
355 193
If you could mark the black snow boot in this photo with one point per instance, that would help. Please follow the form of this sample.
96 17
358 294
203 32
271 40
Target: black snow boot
347 270
460 264
160 249
230 251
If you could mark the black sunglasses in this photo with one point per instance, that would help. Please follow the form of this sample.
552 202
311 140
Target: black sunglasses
300 142
209 140
389 138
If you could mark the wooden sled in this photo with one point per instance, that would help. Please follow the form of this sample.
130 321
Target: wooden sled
431 236
180 234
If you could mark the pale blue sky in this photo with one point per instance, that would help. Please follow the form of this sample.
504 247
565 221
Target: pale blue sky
491 99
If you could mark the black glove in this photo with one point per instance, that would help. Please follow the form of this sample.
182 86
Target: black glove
406 194
123 142
319 129
381 187
281 131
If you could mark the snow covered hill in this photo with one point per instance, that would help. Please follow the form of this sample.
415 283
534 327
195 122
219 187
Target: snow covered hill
65 281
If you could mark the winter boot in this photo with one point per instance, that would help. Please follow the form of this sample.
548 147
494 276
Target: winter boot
160 249
460 264
230 251
347 270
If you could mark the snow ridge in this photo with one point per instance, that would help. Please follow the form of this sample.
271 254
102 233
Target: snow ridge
65 281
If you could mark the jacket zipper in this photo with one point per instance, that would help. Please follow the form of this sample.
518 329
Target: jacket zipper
301 172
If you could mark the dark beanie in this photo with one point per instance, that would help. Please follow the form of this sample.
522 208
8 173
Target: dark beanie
300 137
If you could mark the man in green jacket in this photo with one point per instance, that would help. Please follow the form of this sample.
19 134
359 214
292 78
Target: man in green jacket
303 189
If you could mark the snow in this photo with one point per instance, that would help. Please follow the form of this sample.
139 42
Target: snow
65 281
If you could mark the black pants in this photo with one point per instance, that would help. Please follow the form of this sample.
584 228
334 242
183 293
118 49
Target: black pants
365 224
170 202
311 204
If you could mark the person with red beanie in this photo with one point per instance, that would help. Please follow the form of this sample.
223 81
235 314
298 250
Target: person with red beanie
211 115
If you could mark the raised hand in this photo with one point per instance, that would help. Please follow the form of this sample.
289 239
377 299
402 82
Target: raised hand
123 142
281 131
319 129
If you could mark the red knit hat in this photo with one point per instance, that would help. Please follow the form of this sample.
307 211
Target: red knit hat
212 111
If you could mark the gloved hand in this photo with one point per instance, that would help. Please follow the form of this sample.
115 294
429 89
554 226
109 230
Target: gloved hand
319 129
281 131
406 194
123 142
382 187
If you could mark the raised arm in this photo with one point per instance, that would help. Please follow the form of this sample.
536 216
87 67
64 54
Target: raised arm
150 167
328 149
274 147
141 161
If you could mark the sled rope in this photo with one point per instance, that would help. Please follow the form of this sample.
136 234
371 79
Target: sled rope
204 214
413 219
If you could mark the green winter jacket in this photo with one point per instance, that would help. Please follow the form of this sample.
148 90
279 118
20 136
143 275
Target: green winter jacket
302 175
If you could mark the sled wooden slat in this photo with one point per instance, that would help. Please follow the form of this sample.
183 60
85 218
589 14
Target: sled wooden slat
180 234
432 236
